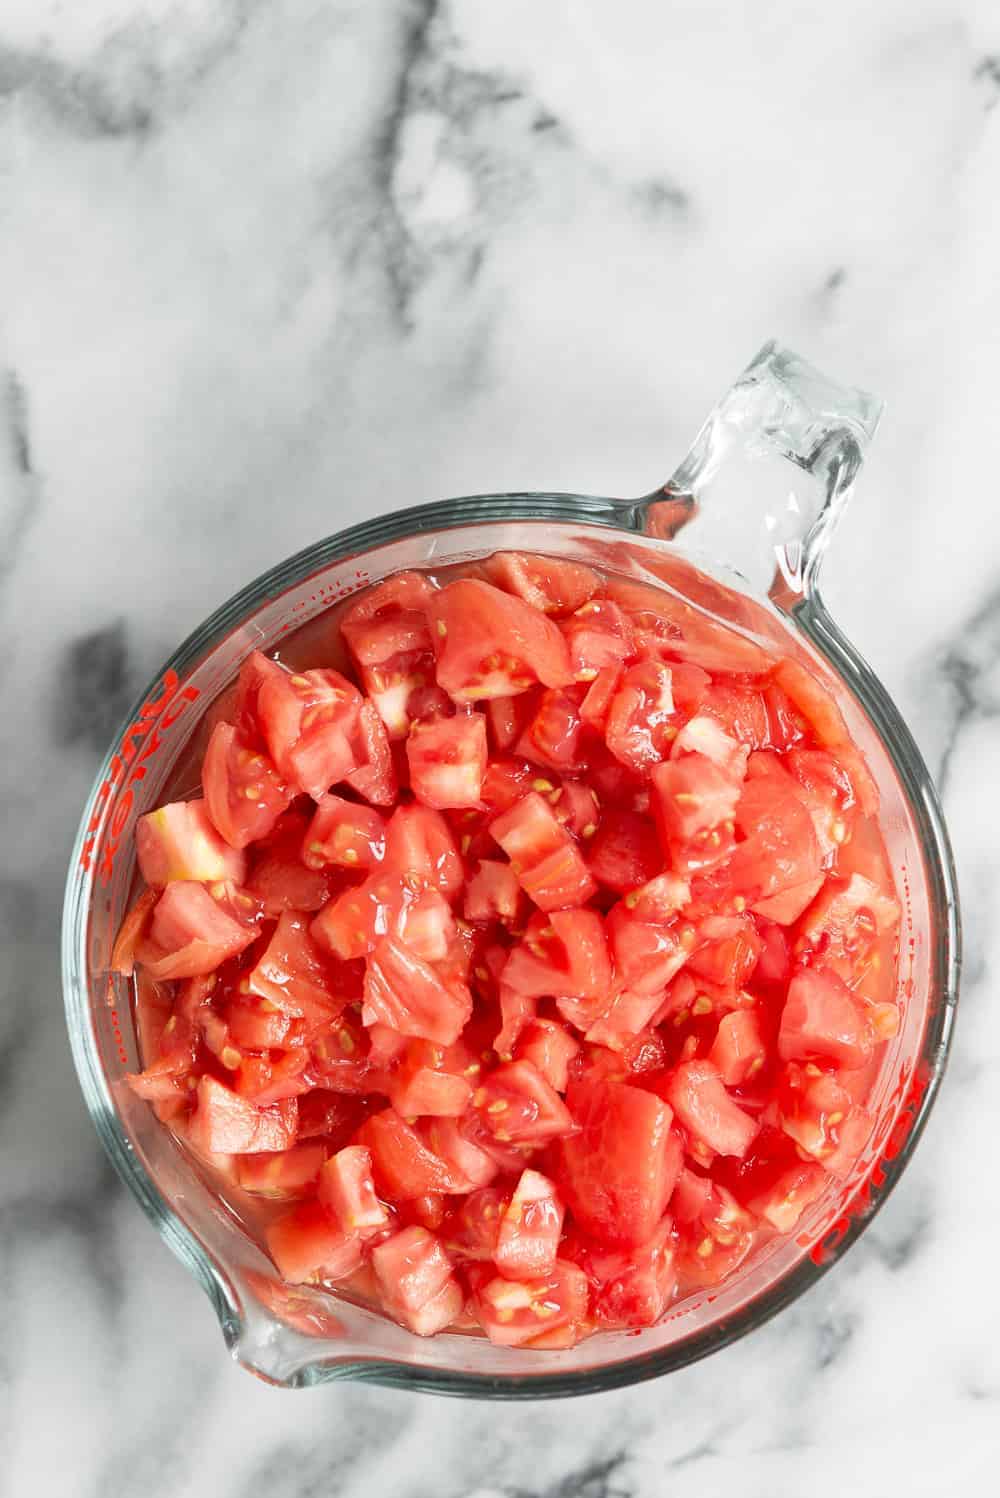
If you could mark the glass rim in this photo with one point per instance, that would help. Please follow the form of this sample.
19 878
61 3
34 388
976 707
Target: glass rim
812 619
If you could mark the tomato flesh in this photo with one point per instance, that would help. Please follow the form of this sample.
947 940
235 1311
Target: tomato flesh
530 956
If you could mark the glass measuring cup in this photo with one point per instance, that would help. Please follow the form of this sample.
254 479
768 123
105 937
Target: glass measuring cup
740 530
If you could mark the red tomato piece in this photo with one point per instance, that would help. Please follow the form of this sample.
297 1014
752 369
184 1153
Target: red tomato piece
619 1169
227 1124
347 1191
529 1230
514 1313
475 1224
506 781
419 843
599 636
727 952
550 584
493 893
375 775
506 718
256 1024
244 794
665 624
624 1018
550 1048
428 1083
517 1106
296 976
341 832
738 1050
310 721
306 1244
714 1244
843 928
646 957
692 797
691 1195
416 1282
600 694
641 723
658 901
779 855
179 842
816 704
332 1114
703 735
625 851
634 1288
131 935
548 864
490 644
564 956
461 1155
822 1118
447 759
190 933
552 737
742 712
403 1164
823 1021
288 1173
355 921
702 1104
389 637
404 992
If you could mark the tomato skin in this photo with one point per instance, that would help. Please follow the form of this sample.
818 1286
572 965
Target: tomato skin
179 842
447 758
521 646
618 1171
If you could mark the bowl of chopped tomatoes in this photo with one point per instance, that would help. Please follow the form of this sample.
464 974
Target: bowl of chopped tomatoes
512 947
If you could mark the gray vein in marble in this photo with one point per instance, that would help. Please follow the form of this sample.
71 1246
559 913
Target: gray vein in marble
833 1334
19 492
94 685
963 668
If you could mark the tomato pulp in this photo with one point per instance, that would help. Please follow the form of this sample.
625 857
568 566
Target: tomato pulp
522 943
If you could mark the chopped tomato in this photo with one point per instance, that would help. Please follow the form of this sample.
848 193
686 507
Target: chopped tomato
693 797
310 723
341 832
552 737
224 1123
427 1082
727 952
529 1230
717 1241
493 893
738 1050
404 992
475 1225
702 1104
550 1048
600 694
404 1166
627 1014
843 927
296 976
506 718
131 934
517 1105
419 843
514 1313
779 855
244 793
823 1021
416 1281
388 634
640 724
447 758
306 1244
668 626
625 851
632 1288
490 644
822 1118
619 1169
190 933
375 775
550 584
576 807
646 956
543 855
288 1173
461 1155
347 1191
179 842
658 901
599 636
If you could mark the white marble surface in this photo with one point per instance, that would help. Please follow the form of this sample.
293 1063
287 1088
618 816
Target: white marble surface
268 267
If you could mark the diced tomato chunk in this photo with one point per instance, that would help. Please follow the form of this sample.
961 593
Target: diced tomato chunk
625 851
289 1172
693 796
342 832
347 1191
599 636
419 843
633 1288
244 793
296 976
404 1166
823 1021
447 758
702 1104
530 1229
550 1048
416 1281
190 933
490 644
517 1105
461 1155
306 1244
224 1123
738 1050
543 855
404 992
424 1085
640 723
619 1169
552 737
550 584
514 1313
493 893
179 842
388 634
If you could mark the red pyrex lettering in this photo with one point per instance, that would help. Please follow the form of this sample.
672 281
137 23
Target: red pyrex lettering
140 741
